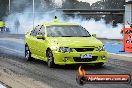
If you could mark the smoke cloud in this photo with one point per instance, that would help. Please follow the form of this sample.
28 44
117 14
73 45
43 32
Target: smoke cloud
100 28
58 3
25 19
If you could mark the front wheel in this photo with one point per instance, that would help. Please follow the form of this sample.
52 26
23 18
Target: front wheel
27 54
50 59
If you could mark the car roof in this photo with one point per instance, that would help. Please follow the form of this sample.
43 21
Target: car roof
58 23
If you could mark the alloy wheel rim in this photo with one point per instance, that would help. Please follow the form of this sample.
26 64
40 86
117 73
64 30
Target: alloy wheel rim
27 53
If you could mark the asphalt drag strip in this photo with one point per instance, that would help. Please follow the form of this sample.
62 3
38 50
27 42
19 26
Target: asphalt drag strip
16 72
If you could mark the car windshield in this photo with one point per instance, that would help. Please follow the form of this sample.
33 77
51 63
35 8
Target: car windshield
67 31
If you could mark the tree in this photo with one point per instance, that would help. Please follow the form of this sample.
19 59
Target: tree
114 4
97 5
20 5
3 8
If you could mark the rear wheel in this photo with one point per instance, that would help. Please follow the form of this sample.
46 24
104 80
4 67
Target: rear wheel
50 59
28 54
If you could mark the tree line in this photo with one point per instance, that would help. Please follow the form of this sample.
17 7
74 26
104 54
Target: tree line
20 5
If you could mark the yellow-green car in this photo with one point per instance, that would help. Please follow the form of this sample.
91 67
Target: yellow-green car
64 43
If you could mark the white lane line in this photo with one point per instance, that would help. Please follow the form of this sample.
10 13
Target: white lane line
1 86
125 57
16 51
21 41
12 51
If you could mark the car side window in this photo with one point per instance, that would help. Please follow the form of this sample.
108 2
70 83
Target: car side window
38 30
41 30
33 32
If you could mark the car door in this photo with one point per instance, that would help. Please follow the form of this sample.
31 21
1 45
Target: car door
32 40
41 43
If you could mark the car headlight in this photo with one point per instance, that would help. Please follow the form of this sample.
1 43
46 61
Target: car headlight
101 48
64 49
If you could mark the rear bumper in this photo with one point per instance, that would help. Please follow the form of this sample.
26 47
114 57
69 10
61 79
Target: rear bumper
75 57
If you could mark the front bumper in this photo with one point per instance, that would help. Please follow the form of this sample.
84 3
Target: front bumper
75 57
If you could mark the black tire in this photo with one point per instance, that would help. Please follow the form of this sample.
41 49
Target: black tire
99 65
50 59
28 54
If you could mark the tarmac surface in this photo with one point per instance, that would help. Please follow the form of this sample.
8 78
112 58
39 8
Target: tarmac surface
16 72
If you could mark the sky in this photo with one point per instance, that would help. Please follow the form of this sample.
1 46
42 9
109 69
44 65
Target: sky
89 1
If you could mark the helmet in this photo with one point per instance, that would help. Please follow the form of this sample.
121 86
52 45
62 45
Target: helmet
55 17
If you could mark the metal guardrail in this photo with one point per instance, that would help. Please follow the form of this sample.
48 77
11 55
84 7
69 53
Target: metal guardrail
93 11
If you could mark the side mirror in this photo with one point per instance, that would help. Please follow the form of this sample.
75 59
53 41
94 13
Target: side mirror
94 35
40 37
